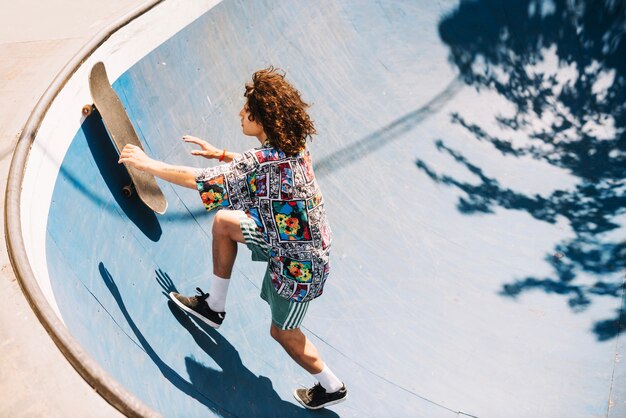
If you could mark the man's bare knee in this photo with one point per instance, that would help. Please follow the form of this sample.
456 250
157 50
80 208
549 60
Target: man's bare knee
285 337
277 334
227 224
220 223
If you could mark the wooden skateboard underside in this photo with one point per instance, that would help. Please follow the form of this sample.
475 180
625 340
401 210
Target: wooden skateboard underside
122 132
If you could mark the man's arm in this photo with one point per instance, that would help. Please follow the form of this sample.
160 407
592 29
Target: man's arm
209 151
180 175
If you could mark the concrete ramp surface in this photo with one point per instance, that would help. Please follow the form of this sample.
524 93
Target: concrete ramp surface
472 157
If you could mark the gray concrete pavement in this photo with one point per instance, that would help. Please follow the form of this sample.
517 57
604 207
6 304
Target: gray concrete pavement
36 40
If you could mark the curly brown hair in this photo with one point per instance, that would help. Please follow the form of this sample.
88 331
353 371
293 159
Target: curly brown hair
278 107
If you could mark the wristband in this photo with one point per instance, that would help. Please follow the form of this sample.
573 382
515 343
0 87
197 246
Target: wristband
223 155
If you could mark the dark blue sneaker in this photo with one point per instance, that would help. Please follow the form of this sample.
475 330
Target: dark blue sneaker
198 307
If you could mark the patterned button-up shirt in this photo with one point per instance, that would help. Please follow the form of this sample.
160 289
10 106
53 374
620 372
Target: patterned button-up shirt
281 195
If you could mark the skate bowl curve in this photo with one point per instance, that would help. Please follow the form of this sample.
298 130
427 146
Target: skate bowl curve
471 158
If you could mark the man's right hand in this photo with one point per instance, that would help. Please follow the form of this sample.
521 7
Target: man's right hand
135 157
181 175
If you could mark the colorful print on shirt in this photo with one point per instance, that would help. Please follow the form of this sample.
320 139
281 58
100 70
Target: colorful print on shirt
292 220
253 213
257 184
281 195
300 271
286 181
213 193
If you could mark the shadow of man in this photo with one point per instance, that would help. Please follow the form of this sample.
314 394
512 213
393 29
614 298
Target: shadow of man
170 374
239 390
233 391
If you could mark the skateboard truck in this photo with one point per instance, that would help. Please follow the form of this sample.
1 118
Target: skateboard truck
87 110
128 190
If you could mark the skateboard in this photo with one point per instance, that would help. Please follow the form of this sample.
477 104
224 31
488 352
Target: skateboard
121 130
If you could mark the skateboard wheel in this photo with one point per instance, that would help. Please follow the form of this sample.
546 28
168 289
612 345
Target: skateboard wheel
87 109
128 190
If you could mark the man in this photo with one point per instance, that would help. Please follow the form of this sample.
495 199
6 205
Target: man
275 207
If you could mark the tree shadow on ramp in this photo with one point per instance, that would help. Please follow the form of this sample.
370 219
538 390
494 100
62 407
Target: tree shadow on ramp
560 65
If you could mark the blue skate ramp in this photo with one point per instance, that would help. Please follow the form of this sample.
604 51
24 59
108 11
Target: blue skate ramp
472 157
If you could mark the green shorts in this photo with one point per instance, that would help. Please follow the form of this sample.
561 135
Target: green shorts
286 314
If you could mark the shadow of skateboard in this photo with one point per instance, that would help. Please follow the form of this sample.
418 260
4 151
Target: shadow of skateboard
122 132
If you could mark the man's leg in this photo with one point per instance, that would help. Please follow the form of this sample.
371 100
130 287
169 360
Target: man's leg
226 234
210 307
330 390
299 348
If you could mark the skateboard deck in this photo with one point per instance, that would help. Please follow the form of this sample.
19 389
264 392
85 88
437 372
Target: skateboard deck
122 132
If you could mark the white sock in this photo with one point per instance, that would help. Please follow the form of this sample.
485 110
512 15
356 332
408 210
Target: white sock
217 295
328 380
